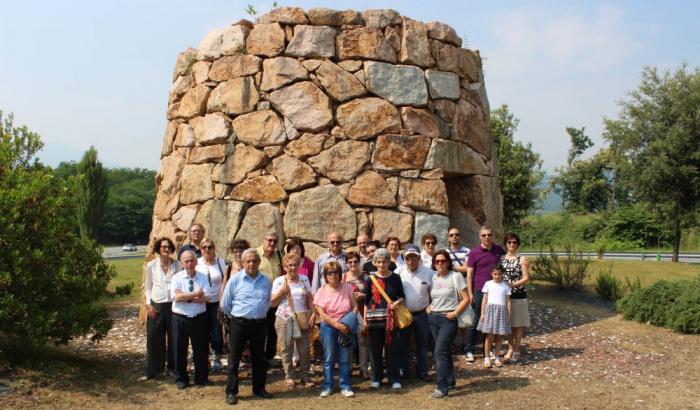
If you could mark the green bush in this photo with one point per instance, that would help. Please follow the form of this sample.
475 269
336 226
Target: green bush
124 290
608 286
568 272
675 305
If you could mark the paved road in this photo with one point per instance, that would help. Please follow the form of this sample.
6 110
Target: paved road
636 256
116 252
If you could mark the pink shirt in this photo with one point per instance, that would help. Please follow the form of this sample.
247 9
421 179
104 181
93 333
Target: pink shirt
335 303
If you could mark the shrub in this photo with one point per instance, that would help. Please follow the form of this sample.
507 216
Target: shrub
675 305
608 286
124 290
568 272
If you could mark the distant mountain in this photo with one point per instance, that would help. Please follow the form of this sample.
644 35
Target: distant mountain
551 202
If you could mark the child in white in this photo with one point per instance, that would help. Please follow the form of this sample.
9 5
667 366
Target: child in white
495 315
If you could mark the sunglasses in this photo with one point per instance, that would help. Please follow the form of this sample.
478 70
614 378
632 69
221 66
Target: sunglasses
191 287
333 272
272 240
454 234
165 247
430 242
440 261
486 235
334 242
512 242
207 248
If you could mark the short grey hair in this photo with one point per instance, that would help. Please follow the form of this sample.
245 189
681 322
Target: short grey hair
188 251
381 253
250 251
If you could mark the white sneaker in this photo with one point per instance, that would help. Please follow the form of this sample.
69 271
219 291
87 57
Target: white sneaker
347 392
325 393
374 385
492 356
396 386
470 357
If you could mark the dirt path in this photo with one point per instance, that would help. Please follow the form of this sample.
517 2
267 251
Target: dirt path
577 355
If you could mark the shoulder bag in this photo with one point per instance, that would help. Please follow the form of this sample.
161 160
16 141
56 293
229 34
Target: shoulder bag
403 316
466 318
302 317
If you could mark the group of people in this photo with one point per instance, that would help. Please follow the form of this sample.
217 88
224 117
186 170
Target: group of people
270 303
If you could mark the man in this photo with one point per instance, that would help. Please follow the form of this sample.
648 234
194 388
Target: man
479 263
362 241
368 266
196 234
429 240
246 300
458 253
335 253
270 266
417 283
190 321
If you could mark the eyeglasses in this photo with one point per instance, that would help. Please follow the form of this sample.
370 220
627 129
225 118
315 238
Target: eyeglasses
430 242
207 248
454 234
361 243
333 272
512 242
352 262
486 235
334 242
237 251
272 240
191 285
437 261
165 247
291 265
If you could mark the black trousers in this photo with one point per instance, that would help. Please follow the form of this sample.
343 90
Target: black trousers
159 331
196 330
242 331
381 355
271 342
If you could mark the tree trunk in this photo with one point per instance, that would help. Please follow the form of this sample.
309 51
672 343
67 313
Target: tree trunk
676 241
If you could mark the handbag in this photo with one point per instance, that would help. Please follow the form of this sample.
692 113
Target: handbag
402 315
302 318
375 318
466 318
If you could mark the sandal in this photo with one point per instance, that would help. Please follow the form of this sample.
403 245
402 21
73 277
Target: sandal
291 385
497 362
508 355
309 384
487 363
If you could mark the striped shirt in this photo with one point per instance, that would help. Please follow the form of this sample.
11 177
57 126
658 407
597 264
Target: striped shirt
325 257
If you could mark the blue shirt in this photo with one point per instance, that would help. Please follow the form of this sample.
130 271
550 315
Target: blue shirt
247 297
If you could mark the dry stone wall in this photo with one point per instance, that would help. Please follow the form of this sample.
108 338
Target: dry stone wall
315 121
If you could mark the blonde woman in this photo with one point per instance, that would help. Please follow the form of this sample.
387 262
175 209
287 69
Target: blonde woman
214 268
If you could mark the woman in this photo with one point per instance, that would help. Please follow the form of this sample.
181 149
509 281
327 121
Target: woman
449 297
235 251
296 289
393 245
306 268
157 276
383 333
426 255
357 280
516 275
337 308
215 269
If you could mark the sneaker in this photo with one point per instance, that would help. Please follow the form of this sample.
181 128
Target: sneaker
396 386
347 392
487 363
437 394
374 385
216 366
515 357
470 357
325 393
142 378
492 355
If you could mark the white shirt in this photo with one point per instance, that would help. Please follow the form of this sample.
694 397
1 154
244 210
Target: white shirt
215 274
416 287
497 292
458 256
299 291
400 262
181 281
157 283
426 260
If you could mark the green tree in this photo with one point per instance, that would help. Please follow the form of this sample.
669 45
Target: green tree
129 205
566 176
50 278
656 145
586 184
580 142
520 167
91 194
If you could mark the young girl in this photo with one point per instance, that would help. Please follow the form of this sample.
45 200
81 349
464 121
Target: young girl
495 314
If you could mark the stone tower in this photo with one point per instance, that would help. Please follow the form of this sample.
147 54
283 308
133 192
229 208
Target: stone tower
324 120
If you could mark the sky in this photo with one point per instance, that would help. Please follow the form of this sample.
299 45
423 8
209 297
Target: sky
84 73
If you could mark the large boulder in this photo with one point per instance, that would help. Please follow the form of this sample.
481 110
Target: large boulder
455 158
244 159
371 189
221 219
475 201
266 40
264 188
399 84
234 97
338 83
196 184
260 128
364 43
431 223
415 48
397 152
312 42
391 223
305 105
281 71
342 161
314 213
230 67
423 195
211 129
258 221
291 173
364 118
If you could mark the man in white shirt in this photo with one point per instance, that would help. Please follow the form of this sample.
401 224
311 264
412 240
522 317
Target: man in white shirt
190 321
362 241
459 254
417 283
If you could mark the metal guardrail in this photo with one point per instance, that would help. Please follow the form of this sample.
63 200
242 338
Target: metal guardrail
643 256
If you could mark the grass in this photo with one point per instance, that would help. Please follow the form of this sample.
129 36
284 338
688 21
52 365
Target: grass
128 270
647 271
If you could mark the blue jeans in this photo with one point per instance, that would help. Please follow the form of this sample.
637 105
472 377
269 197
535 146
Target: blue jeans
420 328
215 336
332 353
444 331
473 334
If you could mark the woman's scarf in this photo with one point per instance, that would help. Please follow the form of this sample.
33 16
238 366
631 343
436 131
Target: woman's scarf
377 299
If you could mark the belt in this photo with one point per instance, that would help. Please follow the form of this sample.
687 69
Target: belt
188 317
246 320
418 312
